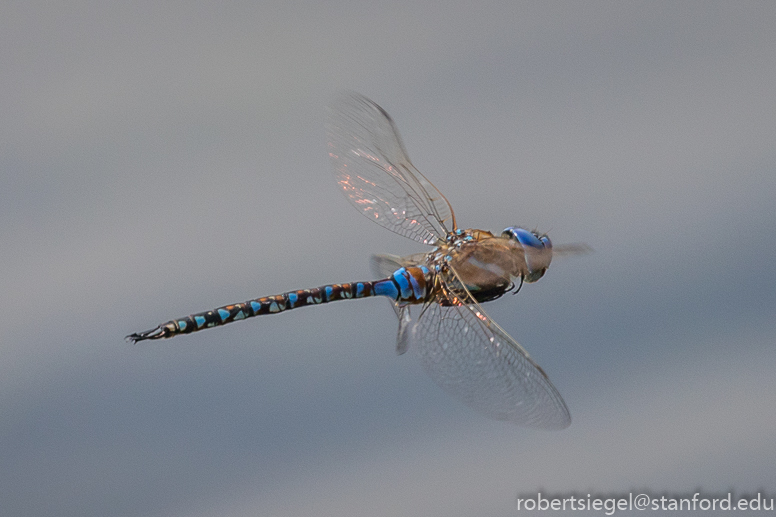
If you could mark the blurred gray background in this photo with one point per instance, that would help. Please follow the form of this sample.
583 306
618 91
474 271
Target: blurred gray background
162 159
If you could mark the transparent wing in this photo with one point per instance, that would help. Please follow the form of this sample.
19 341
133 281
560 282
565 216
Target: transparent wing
472 358
383 266
375 174
567 250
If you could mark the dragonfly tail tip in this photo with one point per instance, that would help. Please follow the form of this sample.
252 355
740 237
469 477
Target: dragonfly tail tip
156 333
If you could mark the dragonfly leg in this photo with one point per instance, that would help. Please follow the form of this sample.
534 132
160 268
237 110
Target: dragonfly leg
519 286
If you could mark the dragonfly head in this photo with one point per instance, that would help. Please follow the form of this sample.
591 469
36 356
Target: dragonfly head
537 249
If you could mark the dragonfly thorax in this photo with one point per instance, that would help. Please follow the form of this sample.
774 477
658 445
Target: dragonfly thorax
486 265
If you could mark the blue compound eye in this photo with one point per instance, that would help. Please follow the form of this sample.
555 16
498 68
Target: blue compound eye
537 249
524 237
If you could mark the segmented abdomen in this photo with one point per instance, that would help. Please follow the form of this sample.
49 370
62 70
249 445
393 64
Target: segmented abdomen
406 285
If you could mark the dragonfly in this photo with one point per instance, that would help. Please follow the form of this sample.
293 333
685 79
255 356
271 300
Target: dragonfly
437 295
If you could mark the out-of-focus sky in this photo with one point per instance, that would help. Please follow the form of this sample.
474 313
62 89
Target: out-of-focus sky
159 159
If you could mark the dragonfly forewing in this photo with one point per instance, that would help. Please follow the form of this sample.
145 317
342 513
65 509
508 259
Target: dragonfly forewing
374 172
